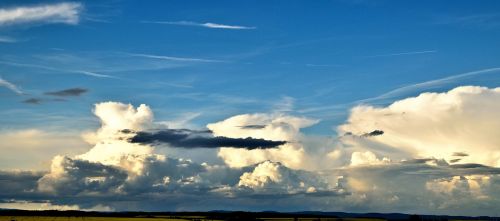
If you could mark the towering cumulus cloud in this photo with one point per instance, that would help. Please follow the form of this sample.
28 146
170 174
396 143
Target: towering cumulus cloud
459 126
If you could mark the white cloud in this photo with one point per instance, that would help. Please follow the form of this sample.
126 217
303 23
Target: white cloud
269 127
111 145
10 86
65 12
436 125
366 158
274 178
354 173
205 25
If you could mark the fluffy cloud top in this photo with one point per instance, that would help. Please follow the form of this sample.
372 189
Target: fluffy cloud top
271 127
433 125
64 12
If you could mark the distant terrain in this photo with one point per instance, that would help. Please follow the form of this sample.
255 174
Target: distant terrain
53 215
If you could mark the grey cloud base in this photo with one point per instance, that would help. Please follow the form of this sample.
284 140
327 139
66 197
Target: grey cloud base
198 139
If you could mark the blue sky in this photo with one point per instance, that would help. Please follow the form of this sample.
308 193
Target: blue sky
316 77
325 53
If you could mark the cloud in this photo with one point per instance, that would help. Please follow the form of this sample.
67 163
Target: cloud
275 127
432 83
196 139
71 92
485 20
5 39
205 25
65 12
253 126
93 74
170 58
33 101
33 148
403 53
407 169
437 125
29 205
10 86
274 178
36 66
373 133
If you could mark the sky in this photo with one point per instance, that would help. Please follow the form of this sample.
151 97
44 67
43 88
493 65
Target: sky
355 106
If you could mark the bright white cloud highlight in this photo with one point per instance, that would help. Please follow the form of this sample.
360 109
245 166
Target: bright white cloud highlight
438 125
65 12
269 127
205 25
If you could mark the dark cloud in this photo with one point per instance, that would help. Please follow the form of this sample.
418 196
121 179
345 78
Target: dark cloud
200 139
82 176
255 126
454 160
41 100
373 133
33 101
68 92
460 154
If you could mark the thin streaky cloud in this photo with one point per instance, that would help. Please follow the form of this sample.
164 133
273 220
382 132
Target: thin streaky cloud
88 73
431 83
170 58
199 24
5 39
65 12
10 86
93 74
403 53
402 90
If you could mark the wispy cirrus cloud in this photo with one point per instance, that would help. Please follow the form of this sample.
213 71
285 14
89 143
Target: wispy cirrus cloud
171 58
403 53
36 66
199 24
432 83
6 39
65 12
10 86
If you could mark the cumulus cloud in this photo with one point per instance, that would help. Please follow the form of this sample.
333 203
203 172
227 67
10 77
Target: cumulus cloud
274 178
275 127
439 125
402 158
64 12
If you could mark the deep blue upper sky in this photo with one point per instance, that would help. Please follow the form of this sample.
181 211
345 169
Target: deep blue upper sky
311 58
